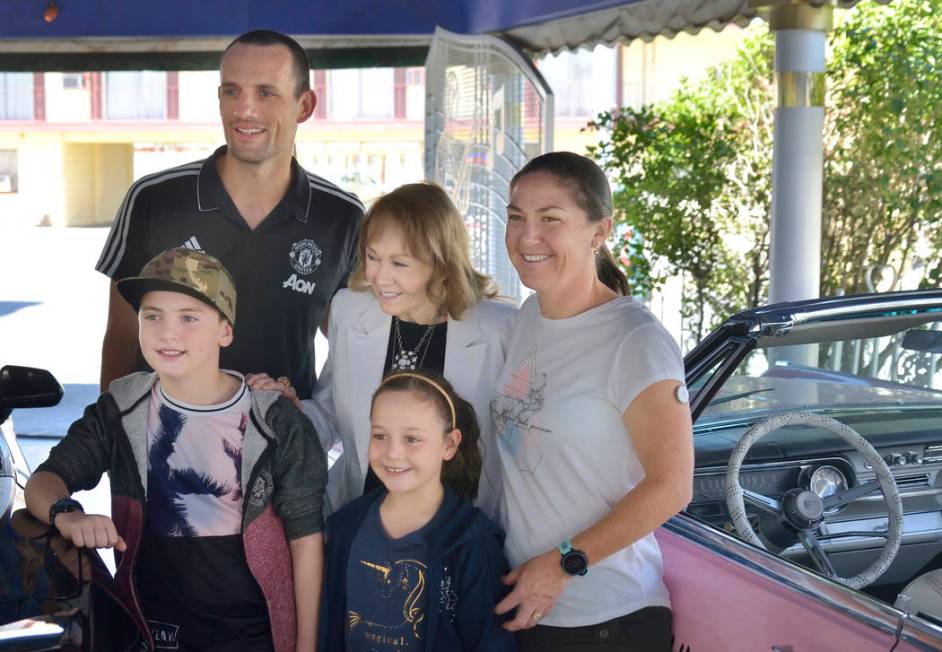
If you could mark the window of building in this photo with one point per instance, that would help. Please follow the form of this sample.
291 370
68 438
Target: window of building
583 82
135 95
73 80
197 98
415 94
415 76
357 94
8 170
16 96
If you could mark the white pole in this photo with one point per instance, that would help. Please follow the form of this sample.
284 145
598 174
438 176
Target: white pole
797 165
797 157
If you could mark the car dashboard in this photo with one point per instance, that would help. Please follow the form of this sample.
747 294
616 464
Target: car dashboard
908 439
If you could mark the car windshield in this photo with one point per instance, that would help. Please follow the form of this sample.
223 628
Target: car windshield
890 371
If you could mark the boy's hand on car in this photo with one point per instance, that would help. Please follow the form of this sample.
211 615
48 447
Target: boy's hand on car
263 381
89 531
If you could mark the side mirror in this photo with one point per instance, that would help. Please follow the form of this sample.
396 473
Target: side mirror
923 340
24 387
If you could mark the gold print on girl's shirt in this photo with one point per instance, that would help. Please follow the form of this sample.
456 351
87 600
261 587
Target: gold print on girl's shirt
403 580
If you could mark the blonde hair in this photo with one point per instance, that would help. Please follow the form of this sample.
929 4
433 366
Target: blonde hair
435 233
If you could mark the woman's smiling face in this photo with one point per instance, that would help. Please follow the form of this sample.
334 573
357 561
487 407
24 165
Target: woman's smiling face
549 237
398 278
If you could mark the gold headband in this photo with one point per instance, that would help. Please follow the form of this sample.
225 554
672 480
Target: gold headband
441 390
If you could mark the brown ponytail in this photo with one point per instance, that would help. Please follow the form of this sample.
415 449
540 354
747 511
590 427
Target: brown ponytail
609 272
463 471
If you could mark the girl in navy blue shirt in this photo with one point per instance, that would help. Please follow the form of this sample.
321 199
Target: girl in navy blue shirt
413 565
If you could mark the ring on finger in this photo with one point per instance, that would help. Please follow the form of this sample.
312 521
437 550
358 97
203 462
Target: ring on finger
285 381
536 616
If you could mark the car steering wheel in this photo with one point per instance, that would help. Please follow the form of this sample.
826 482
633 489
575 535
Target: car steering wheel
802 510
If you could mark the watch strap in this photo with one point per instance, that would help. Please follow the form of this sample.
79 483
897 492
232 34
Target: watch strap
567 553
63 506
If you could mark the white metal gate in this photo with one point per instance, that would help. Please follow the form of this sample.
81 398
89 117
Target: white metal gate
487 112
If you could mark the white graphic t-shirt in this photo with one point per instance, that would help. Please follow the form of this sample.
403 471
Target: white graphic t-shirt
195 465
194 584
565 454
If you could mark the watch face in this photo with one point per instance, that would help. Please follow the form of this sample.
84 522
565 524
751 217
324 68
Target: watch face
63 506
575 563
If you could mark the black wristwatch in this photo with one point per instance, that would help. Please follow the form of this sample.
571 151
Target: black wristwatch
63 506
574 562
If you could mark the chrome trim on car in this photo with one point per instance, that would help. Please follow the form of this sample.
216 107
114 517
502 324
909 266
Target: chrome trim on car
800 464
863 542
723 421
762 466
877 303
798 312
906 493
920 633
854 604
778 319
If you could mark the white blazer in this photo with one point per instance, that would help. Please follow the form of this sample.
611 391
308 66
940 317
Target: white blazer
358 334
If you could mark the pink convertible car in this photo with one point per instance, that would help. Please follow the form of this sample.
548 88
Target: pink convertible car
816 521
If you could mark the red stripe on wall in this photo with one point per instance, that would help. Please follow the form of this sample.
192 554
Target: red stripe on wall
39 96
173 95
94 88
399 86
320 90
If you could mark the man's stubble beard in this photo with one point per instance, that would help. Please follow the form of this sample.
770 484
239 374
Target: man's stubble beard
249 160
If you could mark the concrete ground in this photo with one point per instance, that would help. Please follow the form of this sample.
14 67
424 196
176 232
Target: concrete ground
53 307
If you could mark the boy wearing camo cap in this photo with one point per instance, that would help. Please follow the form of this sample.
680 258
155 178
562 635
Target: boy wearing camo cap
216 489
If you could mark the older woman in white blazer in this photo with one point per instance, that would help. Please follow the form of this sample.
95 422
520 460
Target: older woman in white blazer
414 302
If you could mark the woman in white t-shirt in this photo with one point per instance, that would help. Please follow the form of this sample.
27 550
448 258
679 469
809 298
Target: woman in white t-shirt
594 431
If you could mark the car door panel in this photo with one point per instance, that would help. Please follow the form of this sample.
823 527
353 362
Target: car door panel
727 596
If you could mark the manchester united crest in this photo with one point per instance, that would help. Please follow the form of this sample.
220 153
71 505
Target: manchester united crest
305 256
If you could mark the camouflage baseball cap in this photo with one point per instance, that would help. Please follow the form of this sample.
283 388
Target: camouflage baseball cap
183 270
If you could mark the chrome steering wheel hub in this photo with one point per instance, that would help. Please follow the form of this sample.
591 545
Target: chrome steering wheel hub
803 509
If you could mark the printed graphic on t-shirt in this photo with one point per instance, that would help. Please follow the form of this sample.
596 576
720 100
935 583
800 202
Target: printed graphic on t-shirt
397 619
516 410
447 596
165 635
194 477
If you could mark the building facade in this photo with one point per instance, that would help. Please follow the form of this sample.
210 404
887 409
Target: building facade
72 143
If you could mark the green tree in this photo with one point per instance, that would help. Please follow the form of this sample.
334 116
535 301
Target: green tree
692 174
883 151
691 187
747 90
